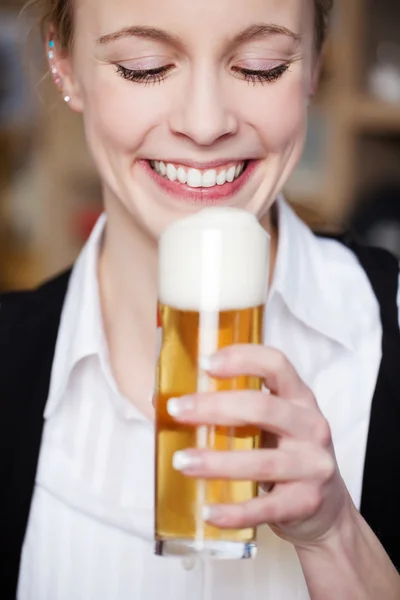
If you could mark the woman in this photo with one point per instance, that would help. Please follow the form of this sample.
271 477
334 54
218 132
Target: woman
187 104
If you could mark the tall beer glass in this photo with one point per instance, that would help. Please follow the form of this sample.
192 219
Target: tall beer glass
213 273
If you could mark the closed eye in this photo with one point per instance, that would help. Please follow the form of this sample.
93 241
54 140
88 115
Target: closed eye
146 76
157 75
261 76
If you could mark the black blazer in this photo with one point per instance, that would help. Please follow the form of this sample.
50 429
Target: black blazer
29 323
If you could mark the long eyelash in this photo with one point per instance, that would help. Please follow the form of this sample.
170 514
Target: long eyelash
140 76
262 76
159 74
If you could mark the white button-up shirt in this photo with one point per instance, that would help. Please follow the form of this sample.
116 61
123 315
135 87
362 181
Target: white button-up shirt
90 530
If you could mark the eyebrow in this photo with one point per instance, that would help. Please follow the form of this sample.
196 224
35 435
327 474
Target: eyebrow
264 30
142 32
250 33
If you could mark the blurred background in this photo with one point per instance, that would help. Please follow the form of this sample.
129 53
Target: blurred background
349 176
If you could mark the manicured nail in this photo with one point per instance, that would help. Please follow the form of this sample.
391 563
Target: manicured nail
210 513
183 460
178 406
210 363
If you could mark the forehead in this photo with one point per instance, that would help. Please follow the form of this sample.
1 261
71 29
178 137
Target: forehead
191 19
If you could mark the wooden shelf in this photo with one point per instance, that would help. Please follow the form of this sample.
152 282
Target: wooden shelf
310 210
369 115
20 269
350 112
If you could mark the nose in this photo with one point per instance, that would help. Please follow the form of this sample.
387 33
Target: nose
204 115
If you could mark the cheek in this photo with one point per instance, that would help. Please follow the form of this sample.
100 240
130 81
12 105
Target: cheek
279 114
119 112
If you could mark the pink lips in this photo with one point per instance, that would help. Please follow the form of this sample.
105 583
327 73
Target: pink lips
207 196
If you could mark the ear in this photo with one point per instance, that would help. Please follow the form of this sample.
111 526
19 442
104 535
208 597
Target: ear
61 70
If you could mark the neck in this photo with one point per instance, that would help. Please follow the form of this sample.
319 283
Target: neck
128 270
128 291
269 222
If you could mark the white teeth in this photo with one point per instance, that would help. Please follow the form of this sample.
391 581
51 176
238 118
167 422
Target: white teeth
182 177
209 178
230 175
171 172
221 177
194 178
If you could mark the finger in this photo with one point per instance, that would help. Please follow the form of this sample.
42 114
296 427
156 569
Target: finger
241 408
288 504
278 373
303 461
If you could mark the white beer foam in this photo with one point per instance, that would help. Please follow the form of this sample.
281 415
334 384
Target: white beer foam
217 259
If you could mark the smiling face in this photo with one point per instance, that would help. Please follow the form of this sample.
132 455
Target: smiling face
188 104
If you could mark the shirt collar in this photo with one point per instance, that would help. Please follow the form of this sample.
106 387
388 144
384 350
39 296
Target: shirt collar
302 278
81 331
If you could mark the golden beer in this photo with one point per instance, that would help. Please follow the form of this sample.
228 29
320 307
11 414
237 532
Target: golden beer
186 335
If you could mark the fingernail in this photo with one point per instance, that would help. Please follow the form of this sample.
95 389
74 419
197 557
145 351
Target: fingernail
206 512
183 460
210 363
210 513
177 406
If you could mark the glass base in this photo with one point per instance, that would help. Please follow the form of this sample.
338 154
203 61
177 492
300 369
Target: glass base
211 549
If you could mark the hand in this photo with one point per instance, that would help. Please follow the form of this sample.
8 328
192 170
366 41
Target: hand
309 496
